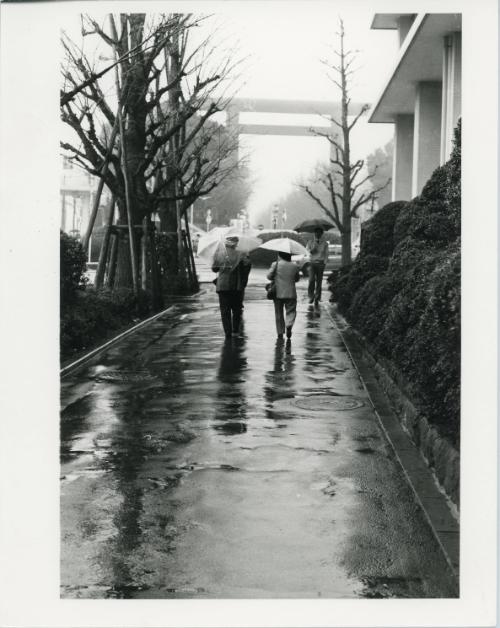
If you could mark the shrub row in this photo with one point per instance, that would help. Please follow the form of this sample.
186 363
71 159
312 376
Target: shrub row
403 292
87 315
94 315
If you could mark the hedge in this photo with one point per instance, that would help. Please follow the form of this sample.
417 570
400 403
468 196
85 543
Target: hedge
89 316
73 264
403 292
95 315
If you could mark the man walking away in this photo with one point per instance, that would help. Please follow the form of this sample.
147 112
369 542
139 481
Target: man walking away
230 285
318 256
285 274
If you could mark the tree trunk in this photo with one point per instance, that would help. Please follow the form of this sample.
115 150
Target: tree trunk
144 246
168 225
345 239
156 291
180 246
123 276
346 159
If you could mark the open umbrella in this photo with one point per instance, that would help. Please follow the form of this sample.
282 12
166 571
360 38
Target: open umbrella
211 245
312 224
284 245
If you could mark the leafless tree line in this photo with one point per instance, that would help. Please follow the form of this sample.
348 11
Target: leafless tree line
144 126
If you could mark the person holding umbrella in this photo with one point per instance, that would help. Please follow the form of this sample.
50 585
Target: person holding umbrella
231 280
318 256
284 273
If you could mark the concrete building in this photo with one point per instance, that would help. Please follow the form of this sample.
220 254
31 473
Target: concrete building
422 96
78 190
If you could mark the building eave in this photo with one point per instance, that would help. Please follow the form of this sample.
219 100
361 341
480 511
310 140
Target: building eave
387 21
419 59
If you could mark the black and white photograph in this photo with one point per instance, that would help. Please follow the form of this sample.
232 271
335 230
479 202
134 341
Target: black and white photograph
257 320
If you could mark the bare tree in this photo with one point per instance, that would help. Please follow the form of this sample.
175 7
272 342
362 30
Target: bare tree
147 135
345 180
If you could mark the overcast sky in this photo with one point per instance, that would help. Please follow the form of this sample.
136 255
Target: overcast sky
286 44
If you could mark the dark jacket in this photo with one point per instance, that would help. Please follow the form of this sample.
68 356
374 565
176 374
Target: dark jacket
232 279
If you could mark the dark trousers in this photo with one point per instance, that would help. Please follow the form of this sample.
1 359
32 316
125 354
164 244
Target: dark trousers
315 278
230 302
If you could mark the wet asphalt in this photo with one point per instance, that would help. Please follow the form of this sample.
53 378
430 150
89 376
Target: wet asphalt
195 467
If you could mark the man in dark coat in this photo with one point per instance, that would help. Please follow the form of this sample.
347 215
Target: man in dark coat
232 269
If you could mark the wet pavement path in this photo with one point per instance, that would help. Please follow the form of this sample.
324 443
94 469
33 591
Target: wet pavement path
198 467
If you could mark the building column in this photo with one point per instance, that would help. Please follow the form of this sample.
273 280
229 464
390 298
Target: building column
452 88
402 165
426 134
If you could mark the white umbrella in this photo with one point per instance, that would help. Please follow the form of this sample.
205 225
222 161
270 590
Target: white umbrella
212 244
284 245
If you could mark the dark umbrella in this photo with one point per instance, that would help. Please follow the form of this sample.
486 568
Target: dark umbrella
312 224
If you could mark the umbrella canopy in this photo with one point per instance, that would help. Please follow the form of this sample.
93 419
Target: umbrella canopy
284 245
211 246
312 224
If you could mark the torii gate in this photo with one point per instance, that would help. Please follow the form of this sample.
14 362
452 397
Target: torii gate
268 105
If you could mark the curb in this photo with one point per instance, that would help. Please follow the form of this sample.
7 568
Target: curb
77 364
417 474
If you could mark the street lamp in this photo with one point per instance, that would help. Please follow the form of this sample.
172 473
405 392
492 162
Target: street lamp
283 218
274 215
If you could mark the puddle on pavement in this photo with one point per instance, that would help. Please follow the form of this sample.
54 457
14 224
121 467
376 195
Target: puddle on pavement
231 427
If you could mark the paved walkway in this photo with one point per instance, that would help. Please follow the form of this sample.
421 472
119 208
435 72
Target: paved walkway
195 467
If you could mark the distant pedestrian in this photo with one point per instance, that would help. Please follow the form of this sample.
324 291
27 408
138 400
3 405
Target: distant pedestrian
230 283
285 274
318 256
196 241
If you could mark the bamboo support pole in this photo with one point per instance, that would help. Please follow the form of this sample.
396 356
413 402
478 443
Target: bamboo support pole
191 256
144 244
103 254
113 257
100 187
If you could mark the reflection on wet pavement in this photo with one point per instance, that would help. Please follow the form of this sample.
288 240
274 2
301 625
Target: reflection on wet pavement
198 467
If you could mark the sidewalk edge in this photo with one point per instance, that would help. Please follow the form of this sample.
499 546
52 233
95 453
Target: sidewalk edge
77 364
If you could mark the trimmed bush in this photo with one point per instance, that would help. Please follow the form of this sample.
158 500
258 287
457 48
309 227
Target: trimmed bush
377 233
73 264
403 292
350 279
89 316
94 315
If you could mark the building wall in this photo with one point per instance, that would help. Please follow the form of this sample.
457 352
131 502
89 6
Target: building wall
423 140
77 193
